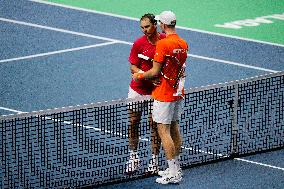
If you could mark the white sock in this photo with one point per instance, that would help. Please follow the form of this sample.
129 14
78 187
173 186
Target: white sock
172 167
177 158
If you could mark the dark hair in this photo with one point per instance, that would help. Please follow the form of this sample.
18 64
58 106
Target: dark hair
151 17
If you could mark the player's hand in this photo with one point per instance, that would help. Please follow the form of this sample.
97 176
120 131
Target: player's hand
137 76
134 77
156 81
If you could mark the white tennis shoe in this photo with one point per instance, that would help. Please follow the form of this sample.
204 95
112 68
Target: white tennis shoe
167 172
169 179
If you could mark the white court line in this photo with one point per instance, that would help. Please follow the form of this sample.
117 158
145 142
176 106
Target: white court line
124 42
56 52
136 19
11 110
61 30
232 63
261 164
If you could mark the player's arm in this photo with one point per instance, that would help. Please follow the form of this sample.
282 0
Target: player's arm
134 69
152 73
133 59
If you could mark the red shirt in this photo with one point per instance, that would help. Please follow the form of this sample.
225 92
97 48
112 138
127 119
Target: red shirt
143 46
171 45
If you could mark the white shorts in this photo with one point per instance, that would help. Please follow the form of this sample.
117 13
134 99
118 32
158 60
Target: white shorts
138 106
166 112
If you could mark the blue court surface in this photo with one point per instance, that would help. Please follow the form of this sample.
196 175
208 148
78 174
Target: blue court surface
53 56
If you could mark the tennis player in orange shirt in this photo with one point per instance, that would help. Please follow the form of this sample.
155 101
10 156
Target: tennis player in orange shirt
169 66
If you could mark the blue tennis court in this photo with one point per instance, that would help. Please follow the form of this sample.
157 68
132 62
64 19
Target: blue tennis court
54 56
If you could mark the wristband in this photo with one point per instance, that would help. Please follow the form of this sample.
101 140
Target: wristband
140 76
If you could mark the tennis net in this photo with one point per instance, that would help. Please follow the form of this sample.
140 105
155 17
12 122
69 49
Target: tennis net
88 144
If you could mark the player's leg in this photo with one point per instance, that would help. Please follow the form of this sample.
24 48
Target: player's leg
167 141
177 139
163 114
153 166
172 175
133 130
133 138
156 140
134 113
175 131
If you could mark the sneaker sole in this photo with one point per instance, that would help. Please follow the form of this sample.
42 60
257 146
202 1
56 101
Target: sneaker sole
164 174
172 182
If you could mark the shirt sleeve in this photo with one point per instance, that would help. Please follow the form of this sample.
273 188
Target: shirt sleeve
160 52
133 56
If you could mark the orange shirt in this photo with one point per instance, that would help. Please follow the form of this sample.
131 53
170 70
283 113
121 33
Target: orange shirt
171 45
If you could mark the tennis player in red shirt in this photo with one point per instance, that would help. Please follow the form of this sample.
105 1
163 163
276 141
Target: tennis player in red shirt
169 66
145 45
